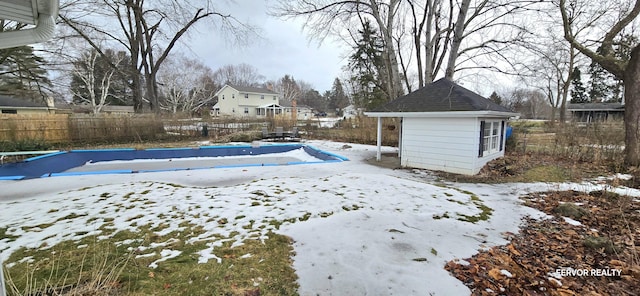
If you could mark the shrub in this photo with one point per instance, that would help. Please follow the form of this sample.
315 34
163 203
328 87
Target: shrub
25 145
245 137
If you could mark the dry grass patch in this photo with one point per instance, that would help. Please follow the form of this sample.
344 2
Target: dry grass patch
117 266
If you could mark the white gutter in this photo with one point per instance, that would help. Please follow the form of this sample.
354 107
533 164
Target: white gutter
43 31
443 114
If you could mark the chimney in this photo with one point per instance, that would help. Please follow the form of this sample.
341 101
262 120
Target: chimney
270 86
50 102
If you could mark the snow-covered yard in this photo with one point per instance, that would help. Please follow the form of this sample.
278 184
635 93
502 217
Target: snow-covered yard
357 228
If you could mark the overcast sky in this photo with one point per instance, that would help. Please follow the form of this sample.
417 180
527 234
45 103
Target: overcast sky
283 48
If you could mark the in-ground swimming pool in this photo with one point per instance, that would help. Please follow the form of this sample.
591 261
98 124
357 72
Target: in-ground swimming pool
128 161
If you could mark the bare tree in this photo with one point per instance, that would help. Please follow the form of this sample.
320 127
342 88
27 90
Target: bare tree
239 75
287 87
549 69
149 30
428 31
96 89
438 37
325 17
615 17
530 103
186 85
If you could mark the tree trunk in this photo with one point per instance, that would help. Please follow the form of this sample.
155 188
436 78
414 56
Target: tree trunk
458 33
429 45
385 25
563 106
632 109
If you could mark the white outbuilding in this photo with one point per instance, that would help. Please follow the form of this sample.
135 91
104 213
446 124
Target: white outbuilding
446 127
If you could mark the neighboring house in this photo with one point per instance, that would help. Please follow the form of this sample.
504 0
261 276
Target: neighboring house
10 105
240 101
351 111
446 127
106 109
304 112
596 112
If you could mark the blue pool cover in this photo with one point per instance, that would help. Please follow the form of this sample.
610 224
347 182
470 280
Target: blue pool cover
55 164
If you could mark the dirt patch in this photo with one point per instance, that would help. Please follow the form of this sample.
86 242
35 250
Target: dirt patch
387 160
598 253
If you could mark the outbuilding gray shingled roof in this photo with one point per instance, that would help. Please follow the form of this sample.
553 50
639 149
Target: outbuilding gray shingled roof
441 96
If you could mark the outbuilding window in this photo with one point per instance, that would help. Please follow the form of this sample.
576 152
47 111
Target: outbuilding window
491 137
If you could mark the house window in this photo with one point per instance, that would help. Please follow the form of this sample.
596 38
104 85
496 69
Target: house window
233 96
260 111
246 96
491 136
223 97
233 110
246 110
274 98
262 97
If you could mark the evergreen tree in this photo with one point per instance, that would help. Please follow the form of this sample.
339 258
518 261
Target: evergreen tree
604 86
623 49
22 74
579 92
600 89
367 64
337 97
313 99
494 97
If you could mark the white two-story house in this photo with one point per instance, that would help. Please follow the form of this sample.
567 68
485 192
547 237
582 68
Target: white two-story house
242 101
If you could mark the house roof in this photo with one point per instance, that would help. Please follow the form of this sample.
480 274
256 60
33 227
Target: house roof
596 107
271 105
6 101
441 96
289 104
249 89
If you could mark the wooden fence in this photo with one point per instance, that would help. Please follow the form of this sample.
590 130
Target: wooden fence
88 128
65 128
46 127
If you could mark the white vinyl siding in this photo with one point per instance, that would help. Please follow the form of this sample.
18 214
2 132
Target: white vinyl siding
449 144
233 102
444 144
